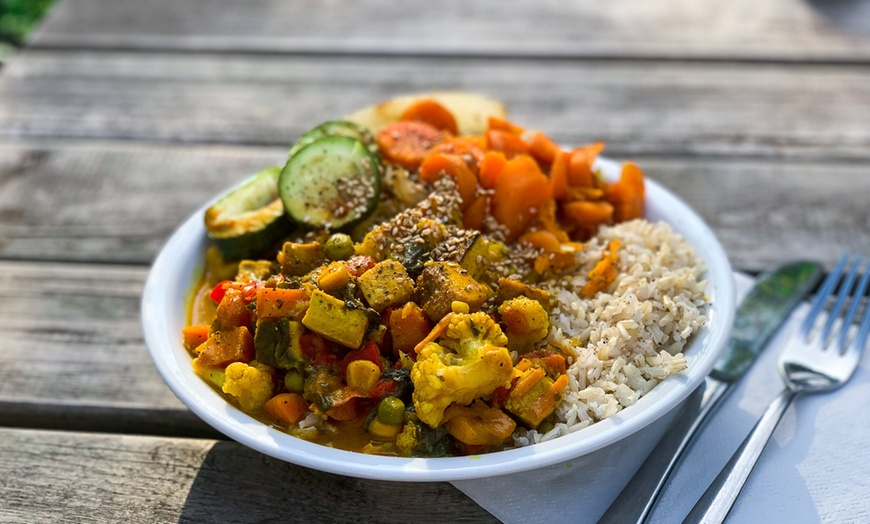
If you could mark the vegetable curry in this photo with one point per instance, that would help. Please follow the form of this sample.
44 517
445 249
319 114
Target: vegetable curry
384 292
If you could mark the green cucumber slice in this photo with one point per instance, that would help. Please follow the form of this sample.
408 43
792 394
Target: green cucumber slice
332 183
250 219
336 128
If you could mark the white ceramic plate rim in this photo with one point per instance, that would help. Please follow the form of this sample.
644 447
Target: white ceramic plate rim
163 316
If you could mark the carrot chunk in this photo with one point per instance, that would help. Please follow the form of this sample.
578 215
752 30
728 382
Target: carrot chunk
508 143
473 216
491 167
580 169
520 191
627 194
589 213
431 112
407 143
559 176
542 148
193 336
286 408
436 165
501 124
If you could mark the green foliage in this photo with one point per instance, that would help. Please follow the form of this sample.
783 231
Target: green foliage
18 17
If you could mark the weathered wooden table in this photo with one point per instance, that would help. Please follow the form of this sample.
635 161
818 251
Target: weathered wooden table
123 116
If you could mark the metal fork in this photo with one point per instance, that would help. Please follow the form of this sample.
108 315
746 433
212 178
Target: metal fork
821 356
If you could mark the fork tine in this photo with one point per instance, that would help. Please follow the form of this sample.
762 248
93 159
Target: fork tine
857 297
864 329
822 296
845 288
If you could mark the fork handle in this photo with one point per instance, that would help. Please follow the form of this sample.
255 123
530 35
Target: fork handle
717 501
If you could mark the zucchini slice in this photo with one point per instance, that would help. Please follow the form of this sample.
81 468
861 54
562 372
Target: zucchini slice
336 128
332 183
250 219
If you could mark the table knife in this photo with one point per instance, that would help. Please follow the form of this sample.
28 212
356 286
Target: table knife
759 315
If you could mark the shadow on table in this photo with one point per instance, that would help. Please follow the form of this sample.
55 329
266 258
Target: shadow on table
237 484
850 15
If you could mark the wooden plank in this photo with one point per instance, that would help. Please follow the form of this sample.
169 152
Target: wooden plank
74 477
73 355
740 29
637 107
118 202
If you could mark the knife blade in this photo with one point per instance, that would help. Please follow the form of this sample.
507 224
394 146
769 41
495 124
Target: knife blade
759 315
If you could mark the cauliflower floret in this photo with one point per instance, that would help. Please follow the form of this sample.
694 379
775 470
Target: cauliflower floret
527 322
250 385
468 361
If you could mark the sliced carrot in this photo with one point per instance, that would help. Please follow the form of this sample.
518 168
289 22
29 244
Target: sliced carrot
478 424
432 113
501 124
559 176
408 326
582 160
547 218
520 191
627 194
473 216
508 143
542 239
589 213
491 167
471 148
407 143
286 408
436 165
193 336
275 303
542 148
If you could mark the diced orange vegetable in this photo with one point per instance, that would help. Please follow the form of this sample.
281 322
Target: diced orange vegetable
345 404
508 143
432 113
275 303
471 148
547 218
193 336
473 216
501 124
542 239
478 424
559 175
407 143
490 168
436 165
604 272
582 159
627 194
520 191
233 310
408 326
542 148
589 213
335 276
286 408
225 347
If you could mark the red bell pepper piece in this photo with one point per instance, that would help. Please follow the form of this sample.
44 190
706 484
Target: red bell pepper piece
218 292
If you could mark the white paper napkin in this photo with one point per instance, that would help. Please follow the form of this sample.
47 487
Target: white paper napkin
816 467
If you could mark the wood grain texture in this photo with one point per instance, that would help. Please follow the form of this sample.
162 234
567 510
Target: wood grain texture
119 202
654 108
84 477
706 29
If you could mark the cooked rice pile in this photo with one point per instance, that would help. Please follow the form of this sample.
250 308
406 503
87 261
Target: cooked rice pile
630 336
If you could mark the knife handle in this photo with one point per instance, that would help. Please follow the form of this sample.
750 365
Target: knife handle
719 498
638 498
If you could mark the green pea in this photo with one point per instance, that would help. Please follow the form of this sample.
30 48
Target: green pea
391 411
338 247
294 381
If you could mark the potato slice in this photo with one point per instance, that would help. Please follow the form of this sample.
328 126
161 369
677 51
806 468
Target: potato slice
470 110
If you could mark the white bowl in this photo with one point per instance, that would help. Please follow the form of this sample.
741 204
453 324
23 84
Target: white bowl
163 317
